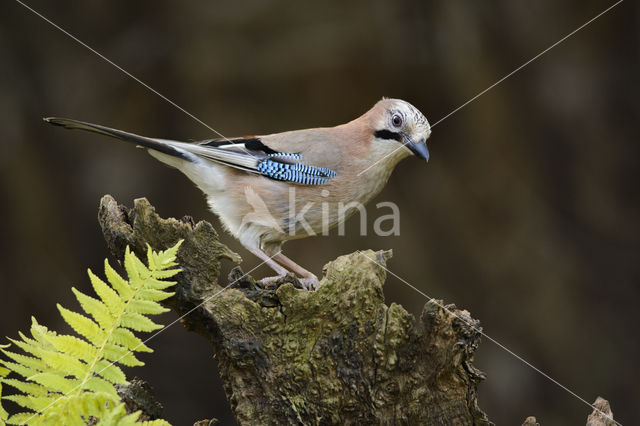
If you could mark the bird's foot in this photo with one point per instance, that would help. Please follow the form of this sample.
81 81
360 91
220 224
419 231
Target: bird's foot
274 279
310 283
272 283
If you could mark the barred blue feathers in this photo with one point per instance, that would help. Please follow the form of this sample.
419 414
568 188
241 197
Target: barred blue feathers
296 173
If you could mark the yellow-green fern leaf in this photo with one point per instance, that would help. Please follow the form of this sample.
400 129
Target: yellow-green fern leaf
117 282
16 367
20 418
32 365
35 403
138 322
95 308
153 294
59 361
126 338
97 384
108 296
146 307
121 355
3 412
152 260
83 326
27 387
157 283
26 338
111 372
164 259
30 348
55 382
158 422
165 274
136 271
74 347
129 420
70 380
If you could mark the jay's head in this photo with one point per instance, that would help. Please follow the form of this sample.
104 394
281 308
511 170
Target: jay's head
396 122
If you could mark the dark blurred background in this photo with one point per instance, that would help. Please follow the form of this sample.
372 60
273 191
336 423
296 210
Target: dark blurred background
527 215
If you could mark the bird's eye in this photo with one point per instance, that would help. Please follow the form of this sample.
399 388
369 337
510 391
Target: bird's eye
396 120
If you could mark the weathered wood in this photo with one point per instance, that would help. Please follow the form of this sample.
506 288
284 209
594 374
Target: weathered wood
138 396
338 355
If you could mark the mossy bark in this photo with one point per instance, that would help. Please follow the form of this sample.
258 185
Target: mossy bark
338 355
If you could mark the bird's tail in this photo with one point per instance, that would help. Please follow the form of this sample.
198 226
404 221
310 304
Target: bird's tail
166 147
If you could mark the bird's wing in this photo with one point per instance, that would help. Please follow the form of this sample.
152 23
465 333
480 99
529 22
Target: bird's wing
253 155
249 154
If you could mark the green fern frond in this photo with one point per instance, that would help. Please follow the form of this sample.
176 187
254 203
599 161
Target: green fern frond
68 379
3 412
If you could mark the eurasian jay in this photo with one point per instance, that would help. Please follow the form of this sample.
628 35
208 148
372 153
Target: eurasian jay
269 189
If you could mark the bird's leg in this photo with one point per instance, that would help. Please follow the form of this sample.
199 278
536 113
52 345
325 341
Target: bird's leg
268 260
308 280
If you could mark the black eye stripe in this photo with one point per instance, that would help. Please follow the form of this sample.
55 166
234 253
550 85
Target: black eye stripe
388 134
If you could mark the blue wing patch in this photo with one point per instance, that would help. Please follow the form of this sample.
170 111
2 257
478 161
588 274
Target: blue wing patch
293 172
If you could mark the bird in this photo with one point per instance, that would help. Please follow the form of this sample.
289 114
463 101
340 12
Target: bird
272 188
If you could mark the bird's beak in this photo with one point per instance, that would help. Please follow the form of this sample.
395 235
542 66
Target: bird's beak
418 148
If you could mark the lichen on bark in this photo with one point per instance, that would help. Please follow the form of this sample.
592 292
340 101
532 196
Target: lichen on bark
338 355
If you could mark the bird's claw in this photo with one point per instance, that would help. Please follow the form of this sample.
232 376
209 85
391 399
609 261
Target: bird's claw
272 280
309 283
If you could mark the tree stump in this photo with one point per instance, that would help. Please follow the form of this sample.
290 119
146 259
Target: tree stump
338 355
